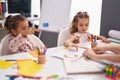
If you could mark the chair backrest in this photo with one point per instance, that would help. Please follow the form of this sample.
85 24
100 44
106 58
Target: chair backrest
4 50
62 36
36 41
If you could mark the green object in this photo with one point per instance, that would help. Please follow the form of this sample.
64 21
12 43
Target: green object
38 51
54 75
114 41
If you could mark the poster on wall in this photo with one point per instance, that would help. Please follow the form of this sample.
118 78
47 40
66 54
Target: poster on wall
54 15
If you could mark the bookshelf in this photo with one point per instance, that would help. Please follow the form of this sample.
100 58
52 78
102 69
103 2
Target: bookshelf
3 10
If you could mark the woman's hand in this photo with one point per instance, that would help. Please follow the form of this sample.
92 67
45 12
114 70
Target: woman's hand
89 53
100 49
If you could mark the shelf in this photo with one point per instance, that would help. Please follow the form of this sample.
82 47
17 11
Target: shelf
3 0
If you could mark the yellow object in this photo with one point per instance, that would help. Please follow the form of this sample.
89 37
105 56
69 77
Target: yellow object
5 64
28 67
64 48
34 53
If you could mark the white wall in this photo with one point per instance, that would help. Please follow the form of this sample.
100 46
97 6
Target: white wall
35 10
93 7
35 7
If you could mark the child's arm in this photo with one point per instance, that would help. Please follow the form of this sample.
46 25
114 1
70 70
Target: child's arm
104 39
30 30
69 41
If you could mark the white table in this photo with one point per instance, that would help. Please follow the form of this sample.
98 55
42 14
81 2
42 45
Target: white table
52 66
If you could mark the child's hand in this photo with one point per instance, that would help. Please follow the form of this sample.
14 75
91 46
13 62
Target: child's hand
30 30
73 47
104 39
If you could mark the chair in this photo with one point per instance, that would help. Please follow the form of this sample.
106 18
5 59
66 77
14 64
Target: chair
4 50
4 45
62 36
36 41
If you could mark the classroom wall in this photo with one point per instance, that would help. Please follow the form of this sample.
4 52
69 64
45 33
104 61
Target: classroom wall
54 17
110 18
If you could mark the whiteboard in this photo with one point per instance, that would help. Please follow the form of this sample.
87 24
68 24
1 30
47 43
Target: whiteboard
54 14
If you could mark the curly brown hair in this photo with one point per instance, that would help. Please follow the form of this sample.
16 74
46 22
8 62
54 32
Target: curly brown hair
13 21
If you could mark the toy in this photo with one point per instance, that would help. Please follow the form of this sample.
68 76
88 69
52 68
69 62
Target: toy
112 72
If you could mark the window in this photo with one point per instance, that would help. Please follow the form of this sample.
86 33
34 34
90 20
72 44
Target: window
20 6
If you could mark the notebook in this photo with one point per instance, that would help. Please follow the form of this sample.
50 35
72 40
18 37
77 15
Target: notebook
82 65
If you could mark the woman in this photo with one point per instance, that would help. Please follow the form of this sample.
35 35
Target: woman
97 53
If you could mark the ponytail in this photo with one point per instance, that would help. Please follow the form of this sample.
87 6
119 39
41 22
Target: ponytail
6 24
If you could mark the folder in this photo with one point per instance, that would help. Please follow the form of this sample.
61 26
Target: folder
82 65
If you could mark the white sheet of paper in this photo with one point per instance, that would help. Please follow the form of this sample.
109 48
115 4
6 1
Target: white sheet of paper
17 56
61 52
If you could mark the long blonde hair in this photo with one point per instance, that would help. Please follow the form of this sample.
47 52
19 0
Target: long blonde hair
75 20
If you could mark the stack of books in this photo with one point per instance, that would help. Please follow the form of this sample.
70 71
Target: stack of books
2 9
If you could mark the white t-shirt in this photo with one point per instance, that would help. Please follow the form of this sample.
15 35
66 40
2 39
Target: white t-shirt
83 37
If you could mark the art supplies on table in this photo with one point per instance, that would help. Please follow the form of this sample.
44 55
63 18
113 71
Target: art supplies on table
21 77
93 40
5 64
23 66
85 65
28 67
41 58
64 50
41 51
112 72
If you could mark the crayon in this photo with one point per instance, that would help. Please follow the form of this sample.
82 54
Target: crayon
17 75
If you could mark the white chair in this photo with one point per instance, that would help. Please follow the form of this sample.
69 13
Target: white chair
4 45
62 36
36 41
4 50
